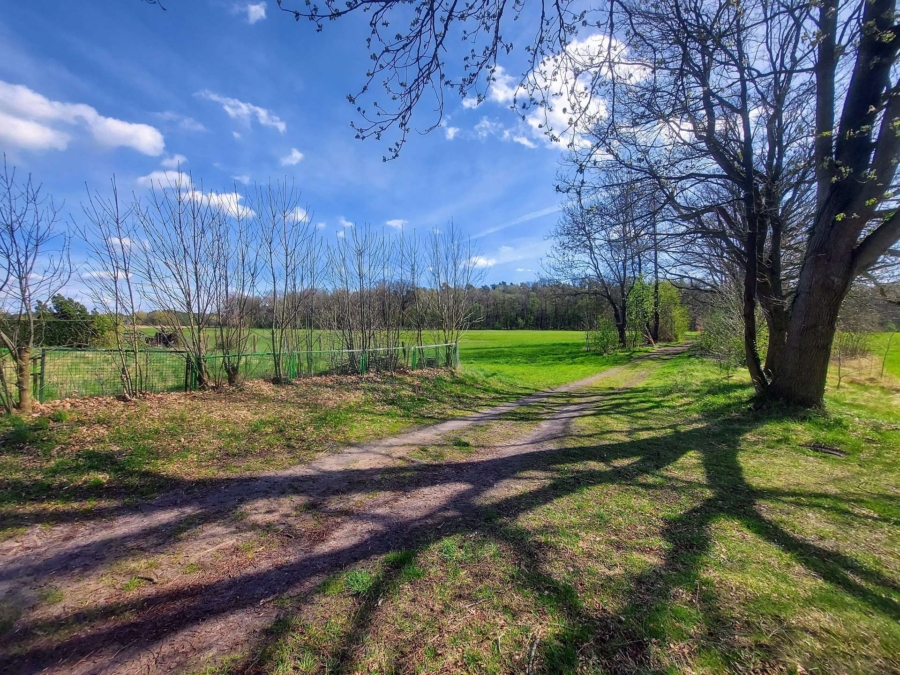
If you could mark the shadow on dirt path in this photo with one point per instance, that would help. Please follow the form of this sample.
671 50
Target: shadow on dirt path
204 562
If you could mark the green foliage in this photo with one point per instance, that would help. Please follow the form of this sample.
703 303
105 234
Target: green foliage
603 338
673 316
640 312
722 339
65 322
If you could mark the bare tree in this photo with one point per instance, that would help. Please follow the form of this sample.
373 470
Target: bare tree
454 268
601 243
34 266
290 258
111 237
238 258
179 261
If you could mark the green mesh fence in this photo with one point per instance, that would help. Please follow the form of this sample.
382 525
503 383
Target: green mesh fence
68 373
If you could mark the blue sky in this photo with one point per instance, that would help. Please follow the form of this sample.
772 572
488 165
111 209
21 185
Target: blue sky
242 92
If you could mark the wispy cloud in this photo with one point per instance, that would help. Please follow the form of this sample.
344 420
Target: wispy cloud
521 219
343 222
397 223
181 122
241 110
174 161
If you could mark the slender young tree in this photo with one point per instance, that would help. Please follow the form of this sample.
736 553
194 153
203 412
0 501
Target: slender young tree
110 233
290 252
34 267
179 261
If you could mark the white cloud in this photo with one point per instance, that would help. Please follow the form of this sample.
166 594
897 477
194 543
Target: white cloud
524 269
299 215
181 122
246 112
340 234
397 223
487 127
31 135
321 226
256 11
343 222
236 135
166 179
481 261
567 83
121 242
506 249
243 178
293 158
174 161
502 88
470 103
26 118
521 140
451 132
227 202
96 274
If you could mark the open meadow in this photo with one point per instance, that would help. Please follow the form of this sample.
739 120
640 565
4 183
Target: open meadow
647 519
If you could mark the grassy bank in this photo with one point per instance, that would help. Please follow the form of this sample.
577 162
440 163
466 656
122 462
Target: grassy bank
673 530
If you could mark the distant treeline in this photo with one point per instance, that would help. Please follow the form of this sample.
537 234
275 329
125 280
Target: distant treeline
537 305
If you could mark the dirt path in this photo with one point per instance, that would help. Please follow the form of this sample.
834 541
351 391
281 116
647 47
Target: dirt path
191 576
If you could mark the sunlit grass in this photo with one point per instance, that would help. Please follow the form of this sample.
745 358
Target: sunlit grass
675 529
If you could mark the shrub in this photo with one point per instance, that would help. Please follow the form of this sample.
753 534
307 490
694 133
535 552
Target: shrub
603 339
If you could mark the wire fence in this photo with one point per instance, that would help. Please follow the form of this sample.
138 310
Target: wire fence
59 372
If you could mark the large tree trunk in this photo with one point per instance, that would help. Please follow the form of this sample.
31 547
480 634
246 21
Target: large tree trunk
777 323
23 379
621 328
751 284
654 327
824 281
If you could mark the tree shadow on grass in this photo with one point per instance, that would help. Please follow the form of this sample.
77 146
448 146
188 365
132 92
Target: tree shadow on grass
621 642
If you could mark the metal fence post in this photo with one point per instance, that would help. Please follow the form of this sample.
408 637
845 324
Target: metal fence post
41 380
34 377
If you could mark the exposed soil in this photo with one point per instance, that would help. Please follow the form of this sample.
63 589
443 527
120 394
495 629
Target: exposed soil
194 575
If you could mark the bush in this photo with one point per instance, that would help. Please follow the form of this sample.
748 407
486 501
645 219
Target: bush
722 340
603 338
673 316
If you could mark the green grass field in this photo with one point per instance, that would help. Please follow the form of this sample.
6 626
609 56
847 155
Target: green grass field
673 531
886 347
534 359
